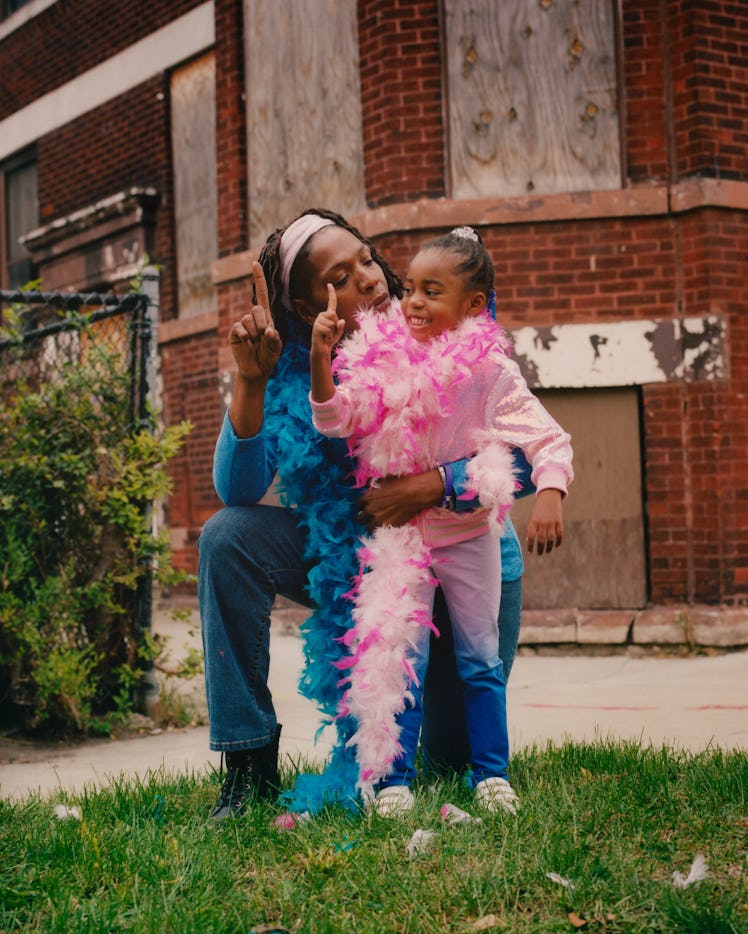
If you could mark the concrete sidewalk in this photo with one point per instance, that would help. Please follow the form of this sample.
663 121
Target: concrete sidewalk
690 703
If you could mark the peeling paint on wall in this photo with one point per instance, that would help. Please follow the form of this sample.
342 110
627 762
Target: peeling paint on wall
625 353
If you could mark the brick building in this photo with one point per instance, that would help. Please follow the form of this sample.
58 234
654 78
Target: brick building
600 147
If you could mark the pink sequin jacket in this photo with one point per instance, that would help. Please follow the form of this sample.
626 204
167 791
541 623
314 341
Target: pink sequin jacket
407 406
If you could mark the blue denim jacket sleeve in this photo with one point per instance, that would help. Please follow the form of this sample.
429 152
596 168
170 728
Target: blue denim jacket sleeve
522 470
512 565
242 472
522 473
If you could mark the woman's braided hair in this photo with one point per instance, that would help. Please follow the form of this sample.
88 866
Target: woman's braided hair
475 264
298 286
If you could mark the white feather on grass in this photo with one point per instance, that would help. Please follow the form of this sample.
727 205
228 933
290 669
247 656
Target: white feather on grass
451 814
696 874
63 812
419 843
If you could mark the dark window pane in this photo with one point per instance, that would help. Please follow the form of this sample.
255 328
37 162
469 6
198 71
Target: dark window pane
10 6
22 215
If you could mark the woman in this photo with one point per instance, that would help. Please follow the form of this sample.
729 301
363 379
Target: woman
304 549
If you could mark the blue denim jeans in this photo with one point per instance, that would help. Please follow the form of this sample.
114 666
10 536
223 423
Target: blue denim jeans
470 576
444 736
248 555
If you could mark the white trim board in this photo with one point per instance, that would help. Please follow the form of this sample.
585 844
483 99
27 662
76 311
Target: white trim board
622 353
174 43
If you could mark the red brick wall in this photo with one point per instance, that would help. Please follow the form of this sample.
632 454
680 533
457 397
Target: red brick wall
70 37
401 98
576 271
693 56
667 502
191 389
190 392
190 366
124 143
709 53
695 435
231 129
715 281
643 75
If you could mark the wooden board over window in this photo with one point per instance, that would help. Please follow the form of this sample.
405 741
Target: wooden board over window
601 564
304 137
532 96
193 121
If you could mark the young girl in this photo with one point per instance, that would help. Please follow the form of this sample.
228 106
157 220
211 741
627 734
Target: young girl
417 390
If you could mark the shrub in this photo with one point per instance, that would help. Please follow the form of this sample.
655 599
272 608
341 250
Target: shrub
76 537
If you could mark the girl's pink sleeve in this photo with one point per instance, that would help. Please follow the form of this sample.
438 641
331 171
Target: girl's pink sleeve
521 421
332 418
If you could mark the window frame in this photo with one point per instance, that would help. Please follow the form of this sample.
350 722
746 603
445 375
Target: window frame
12 164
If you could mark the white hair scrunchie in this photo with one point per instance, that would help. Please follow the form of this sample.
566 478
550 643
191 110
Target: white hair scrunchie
467 233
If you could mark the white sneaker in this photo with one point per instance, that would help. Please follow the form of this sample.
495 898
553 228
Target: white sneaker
393 801
495 795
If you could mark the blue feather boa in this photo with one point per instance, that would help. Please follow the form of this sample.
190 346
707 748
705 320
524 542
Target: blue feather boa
316 482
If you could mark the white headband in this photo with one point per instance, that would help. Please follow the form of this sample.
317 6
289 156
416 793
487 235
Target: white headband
293 239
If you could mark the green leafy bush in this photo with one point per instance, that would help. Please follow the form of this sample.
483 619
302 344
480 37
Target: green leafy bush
76 538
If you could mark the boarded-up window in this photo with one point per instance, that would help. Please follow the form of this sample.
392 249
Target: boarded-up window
195 205
601 564
532 96
21 208
304 143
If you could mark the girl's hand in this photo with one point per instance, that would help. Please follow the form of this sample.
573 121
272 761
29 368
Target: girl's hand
327 328
545 530
255 343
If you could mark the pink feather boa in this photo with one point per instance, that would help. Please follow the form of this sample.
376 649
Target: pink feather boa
397 387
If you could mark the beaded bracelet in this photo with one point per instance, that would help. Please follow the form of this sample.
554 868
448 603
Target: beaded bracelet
449 500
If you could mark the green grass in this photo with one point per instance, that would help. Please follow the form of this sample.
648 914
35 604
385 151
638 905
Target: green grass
616 820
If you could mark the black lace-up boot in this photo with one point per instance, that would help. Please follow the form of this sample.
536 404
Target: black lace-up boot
250 774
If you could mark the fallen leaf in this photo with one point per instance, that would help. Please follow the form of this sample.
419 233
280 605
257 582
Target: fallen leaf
576 921
486 922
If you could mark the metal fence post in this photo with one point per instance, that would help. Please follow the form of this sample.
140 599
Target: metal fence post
148 688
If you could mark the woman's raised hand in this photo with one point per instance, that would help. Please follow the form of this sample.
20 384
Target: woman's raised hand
255 343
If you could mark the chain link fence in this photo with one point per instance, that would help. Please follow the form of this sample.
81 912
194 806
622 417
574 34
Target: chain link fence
109 343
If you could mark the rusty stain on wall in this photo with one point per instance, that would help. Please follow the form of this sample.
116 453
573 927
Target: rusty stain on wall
705 349
544 338
528 369
665 347
597 341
